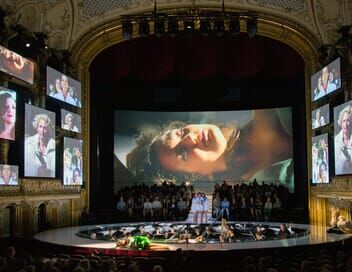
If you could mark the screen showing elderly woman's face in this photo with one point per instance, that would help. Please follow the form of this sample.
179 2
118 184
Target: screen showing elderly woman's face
39 142
346 122
8 174
192 148
343 138
43 128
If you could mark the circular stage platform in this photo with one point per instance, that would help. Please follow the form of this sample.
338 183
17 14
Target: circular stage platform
244 237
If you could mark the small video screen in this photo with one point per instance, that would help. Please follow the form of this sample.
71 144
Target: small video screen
62 87
70 121
326 81
320 159
15 65
8 175
321 117
73 162
8 114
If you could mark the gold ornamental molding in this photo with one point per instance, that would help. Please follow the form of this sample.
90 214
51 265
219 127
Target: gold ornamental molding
340 187
39 198
39 187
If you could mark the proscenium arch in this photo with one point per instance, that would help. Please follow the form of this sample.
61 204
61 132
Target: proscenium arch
106 35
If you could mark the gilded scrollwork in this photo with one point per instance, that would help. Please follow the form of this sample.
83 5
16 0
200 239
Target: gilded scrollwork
330 15
47 186
338 184
57 15
29 187
29 17
339 203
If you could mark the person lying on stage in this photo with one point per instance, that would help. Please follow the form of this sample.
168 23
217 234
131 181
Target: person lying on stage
230 236
209 234
259 234
142 232
112 235
196 234
284 232
172 234
184 236
159 235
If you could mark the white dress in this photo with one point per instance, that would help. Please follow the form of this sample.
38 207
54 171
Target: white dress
205 204
197 205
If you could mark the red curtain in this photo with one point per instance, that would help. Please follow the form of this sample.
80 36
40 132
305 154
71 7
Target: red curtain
153 58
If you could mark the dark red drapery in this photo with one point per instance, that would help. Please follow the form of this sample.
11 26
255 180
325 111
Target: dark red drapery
153 59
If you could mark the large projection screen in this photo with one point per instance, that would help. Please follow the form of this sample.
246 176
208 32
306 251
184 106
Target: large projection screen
320 159
39 144
343 138
151 147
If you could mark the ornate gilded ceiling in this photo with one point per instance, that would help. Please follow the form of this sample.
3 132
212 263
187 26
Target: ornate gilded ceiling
67 21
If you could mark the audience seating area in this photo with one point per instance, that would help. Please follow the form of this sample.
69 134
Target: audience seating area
324 258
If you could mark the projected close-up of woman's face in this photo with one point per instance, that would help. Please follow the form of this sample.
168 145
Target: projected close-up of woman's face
9 113
192 148
200 146
14 62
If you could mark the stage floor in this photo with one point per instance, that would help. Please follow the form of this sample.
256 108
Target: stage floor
314 235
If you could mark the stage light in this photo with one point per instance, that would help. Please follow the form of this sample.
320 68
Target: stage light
234 27
159 27
203 20
144 28
188 27
219 27
127 30
28 44
205 27
172 27
40 40
251 27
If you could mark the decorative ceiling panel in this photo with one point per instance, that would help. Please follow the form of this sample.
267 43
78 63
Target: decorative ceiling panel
293 5
72 18
93 8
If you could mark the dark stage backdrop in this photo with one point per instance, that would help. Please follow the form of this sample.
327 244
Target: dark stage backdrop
201 74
